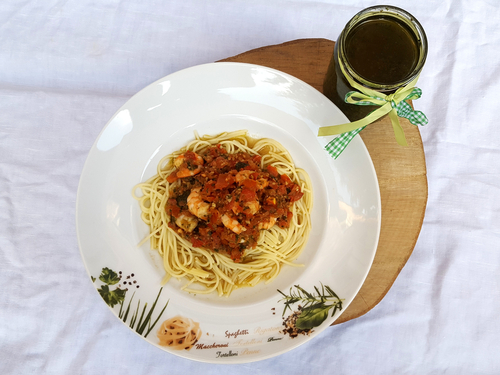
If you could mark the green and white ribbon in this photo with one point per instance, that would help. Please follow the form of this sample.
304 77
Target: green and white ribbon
338 144
394 105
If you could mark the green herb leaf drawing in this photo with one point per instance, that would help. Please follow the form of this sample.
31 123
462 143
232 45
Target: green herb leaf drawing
315 308
112 297
144 324
142 318
109 277
312 316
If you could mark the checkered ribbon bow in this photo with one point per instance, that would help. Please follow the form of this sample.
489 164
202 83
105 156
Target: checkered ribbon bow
394 105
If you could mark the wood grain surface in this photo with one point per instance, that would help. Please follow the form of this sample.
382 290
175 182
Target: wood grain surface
401 171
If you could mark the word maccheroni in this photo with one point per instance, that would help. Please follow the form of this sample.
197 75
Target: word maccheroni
212 346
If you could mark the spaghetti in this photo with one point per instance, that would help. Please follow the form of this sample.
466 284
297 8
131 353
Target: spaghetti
227 212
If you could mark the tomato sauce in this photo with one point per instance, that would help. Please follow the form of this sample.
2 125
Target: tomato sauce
233 185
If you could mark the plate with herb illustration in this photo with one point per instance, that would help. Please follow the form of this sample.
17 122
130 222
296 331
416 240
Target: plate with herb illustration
262 320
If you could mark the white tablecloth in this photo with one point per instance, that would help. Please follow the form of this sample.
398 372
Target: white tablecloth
67 66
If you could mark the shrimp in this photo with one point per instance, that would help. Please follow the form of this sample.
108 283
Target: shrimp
251 208
232 224
186 221
196 205
268 223
245 175
188 164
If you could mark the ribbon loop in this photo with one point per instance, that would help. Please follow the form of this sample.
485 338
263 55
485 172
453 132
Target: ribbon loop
354 97
395 105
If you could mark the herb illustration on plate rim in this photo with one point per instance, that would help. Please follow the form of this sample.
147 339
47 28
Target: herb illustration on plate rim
313 309
114 295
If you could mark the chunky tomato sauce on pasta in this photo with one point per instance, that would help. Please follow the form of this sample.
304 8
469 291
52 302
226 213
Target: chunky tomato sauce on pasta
221 201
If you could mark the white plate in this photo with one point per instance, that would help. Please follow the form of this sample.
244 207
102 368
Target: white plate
210 99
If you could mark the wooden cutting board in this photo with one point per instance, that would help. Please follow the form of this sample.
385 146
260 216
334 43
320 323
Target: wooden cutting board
400 170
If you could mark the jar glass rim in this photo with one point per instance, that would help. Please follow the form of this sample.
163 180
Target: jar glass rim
388 11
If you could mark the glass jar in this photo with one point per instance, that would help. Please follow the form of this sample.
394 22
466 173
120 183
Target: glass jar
382 48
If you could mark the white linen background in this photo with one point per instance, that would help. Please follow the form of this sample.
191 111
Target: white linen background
67 66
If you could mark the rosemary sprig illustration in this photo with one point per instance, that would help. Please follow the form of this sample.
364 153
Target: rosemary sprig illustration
315 308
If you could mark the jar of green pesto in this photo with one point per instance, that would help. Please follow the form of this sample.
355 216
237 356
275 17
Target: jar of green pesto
381 48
